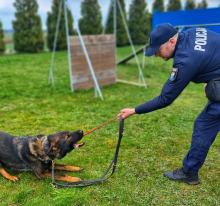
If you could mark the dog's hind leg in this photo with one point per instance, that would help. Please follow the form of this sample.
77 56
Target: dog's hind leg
67 168
64 178
6 175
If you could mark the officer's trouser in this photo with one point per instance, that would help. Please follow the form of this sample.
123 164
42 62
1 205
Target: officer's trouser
206 128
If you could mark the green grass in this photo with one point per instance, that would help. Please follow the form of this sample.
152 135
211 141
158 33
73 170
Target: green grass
152 143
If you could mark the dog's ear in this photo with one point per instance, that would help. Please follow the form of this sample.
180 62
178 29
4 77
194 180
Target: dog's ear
53 140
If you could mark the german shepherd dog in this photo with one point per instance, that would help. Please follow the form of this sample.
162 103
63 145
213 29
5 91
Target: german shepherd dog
35 153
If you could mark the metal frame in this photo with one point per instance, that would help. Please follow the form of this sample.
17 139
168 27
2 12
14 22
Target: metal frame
141 76
68 45
114 3
51 74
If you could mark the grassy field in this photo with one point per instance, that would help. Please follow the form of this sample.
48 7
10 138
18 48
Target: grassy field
152 143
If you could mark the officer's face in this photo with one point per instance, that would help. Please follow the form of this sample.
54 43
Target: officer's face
166 50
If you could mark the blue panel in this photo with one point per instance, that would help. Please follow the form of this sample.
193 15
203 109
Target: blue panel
189 17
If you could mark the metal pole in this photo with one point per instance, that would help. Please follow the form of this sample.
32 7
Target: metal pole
68 46
51 75
141 76
114 7
143 60
97 88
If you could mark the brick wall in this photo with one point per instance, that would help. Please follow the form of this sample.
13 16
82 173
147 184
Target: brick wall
101 50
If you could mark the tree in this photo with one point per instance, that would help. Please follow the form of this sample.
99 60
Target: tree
190 4
2 44
202 5
28 34
52 18
158 6
91 21
174 5
122 38
139 22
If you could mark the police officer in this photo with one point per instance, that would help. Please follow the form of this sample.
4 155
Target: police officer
196 58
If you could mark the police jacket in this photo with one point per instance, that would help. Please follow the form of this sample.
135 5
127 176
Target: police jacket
196 58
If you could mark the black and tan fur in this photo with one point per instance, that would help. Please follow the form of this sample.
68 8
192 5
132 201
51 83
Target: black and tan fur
36 154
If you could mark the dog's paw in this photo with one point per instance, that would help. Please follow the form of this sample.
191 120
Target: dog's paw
77 169
12 178
80 169
71 179
71 168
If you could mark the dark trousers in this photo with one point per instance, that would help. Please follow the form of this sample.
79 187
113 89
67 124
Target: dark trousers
206 128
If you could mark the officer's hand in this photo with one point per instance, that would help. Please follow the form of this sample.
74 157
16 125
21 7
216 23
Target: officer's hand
125 113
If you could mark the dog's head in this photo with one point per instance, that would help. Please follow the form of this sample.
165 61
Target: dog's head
59 144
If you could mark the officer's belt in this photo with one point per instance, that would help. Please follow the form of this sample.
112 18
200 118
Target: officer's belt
212 90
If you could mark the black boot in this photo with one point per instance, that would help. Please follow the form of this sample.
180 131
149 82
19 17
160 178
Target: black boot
179 175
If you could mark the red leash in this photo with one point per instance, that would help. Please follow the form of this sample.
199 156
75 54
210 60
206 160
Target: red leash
100 126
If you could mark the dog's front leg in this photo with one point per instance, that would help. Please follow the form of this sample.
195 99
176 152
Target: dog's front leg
64 178
38 169
6 175
69 168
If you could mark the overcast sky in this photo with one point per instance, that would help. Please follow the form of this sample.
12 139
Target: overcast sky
7 9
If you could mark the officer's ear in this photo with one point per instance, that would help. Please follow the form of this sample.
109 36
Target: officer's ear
172 41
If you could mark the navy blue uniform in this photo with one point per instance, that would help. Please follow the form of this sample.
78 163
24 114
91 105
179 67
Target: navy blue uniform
196 59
